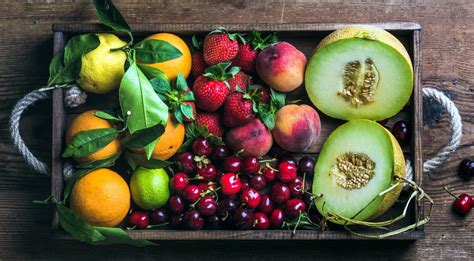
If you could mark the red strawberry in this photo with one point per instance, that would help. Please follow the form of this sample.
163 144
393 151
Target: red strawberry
238 109
212 120
219 46
198 65
246 58
210 89
240 79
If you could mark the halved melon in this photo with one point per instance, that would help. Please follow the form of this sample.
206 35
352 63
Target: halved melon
359 72
357 162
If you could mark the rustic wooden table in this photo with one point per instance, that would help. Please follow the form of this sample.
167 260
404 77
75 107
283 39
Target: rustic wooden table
26 49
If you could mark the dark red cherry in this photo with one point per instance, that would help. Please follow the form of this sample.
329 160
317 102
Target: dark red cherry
462 203
159 216
261 221
286 172
243 219
176 204
401 131
208 172
296 187
294 207
306 166
191 193
466 169
258 182
207 205
185 162
220 152
194 219
139 218
177 221
250 165
230 184
266 204
280 193
277 218
179 181
232 164
213 222
245 183
201 146
226 207
269 174
287 158
250 197
308 199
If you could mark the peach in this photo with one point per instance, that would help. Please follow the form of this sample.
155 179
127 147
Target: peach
253 138
297 127
281 66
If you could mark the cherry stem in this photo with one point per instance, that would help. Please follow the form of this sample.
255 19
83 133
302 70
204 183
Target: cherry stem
270 167
297 223
450 193
267 160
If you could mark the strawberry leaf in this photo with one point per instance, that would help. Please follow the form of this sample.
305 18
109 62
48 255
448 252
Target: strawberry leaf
220 71
188 97
187 111
266 115
178 115
278 98
197 43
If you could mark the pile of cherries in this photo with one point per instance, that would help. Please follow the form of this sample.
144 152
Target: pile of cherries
214 189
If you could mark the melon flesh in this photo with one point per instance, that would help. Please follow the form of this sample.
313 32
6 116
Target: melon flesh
357 136
325 70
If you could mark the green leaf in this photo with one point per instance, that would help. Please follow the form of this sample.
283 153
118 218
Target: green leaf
187 110
278 98
178 115
143 137
107 116
155 51
87 142
76 227
266 115
79 46
152 72
161 85
220 71
186 146
109 15
65 68
115 235
139 160
215 140
197 44
102 163
181 84
138 99
189 96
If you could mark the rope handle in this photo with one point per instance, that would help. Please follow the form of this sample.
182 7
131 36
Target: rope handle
429 165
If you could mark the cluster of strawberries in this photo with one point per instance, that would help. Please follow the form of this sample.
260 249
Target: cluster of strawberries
223 67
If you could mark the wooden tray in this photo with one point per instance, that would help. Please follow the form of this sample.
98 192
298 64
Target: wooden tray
305 36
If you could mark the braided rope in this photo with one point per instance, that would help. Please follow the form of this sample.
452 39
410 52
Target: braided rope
14 126
456 128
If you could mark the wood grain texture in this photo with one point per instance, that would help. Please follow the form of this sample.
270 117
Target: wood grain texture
448 59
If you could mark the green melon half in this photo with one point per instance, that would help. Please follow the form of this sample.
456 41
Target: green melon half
325 71
363 137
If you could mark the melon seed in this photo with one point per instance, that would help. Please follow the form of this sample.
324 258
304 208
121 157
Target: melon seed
360 82
353 170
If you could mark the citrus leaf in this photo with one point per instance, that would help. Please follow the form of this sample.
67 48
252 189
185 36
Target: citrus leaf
155 51
107 116
87 142
161 85
143 137
79 46
186 146
115 235
152 72
109 15
76 227
60 74
139 102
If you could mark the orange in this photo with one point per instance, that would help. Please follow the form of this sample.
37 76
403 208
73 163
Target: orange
172 67
101 197
169 142
88 121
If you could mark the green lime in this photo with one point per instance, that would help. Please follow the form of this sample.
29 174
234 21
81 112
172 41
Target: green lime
149 187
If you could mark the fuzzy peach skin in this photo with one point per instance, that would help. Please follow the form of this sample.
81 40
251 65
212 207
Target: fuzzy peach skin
297 127
281 66
253 138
